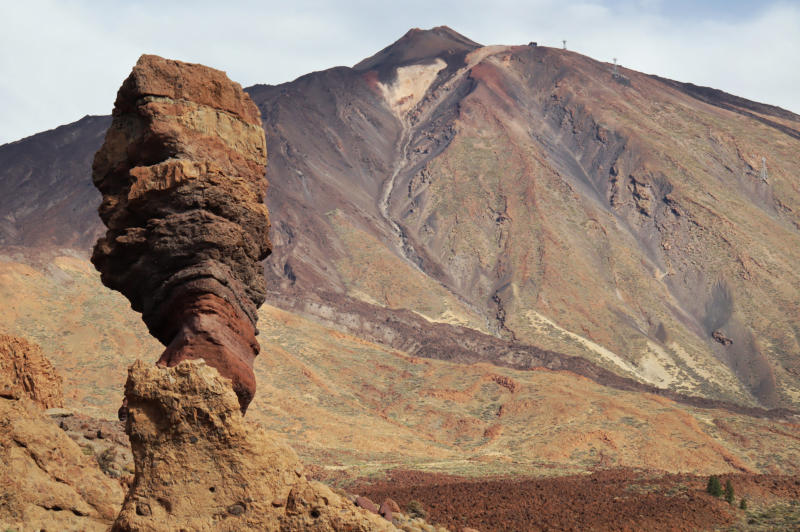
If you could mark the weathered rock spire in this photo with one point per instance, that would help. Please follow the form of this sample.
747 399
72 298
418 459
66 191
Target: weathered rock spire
182 177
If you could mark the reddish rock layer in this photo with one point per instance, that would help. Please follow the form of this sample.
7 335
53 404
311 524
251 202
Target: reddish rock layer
608 500
182 177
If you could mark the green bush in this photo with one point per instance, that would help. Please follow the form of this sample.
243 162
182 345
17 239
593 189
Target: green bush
714 487
743 504
729 491
415 509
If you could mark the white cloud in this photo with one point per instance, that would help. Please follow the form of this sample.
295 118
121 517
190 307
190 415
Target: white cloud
587 12
60 60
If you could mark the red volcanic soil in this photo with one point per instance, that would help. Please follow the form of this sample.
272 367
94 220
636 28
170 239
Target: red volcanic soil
617 499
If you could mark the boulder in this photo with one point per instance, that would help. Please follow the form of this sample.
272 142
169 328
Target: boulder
388 509
365 503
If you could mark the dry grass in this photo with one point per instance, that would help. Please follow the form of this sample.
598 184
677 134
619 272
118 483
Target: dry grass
356 407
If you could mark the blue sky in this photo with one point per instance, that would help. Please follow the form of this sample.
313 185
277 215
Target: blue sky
63 59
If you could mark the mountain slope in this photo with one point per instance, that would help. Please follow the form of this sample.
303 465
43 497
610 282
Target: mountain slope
528 195
46 192
618 219
352 406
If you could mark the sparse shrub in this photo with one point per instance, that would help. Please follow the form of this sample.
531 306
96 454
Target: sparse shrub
714 487
415 509
108 463
743 504
729 491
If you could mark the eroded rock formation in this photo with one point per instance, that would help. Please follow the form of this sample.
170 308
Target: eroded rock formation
24 371
201 466
48 482
182 177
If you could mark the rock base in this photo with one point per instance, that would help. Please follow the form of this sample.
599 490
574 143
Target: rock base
201 466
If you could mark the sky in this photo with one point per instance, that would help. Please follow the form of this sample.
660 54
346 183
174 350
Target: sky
63 59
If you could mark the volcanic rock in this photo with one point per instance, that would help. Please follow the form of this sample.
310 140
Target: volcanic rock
48 482
720 337
182 177
390 504
25 372
201 466
388 508
365 503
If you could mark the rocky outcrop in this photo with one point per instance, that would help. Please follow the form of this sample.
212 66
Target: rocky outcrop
366 504
720 337
182 177
388 509
25 372
48 481
201 466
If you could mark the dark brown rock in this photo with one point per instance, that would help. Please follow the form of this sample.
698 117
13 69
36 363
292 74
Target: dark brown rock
182 177
367 504
236 509
720 337
388 509
389 504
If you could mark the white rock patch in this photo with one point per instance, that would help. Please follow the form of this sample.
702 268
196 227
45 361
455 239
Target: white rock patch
410 86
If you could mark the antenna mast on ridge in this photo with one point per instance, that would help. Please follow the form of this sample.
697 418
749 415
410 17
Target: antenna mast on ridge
614 71
564 42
